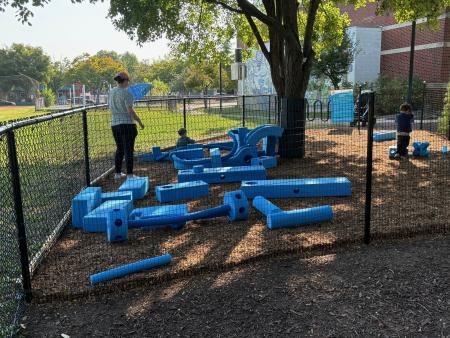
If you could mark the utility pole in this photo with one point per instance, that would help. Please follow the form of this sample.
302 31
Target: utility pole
411 62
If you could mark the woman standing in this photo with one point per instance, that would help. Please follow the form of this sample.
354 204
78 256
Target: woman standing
123 124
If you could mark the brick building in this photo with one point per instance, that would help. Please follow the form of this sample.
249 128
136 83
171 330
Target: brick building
432 51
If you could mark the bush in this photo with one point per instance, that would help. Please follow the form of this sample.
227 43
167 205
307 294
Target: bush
49 97
444 120
391 93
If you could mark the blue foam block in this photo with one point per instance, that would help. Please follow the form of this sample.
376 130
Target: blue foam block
384 136
277 218
189 153
216 160
98 219
137 185
181 191
291 188
84 203
421 148
342 107
128 269
117 195
117 228
163 210
222 175
266 161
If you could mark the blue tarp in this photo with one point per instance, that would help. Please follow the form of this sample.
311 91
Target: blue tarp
139 90
342 107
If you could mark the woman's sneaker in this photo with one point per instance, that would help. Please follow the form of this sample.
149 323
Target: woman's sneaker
119 176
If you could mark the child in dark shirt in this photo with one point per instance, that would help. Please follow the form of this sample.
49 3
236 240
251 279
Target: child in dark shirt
404 122
184 140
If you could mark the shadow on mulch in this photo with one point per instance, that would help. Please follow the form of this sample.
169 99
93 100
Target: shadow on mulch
408 197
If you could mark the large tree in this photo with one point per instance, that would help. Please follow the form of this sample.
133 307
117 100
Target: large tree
295 30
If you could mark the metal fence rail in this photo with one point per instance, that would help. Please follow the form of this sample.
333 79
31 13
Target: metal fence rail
46 160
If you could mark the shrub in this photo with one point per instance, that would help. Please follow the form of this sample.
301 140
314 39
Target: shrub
49 97
444 120
391 93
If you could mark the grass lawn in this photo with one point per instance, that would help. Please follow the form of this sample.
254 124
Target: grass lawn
8 113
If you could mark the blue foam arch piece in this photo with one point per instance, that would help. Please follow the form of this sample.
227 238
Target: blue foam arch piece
137 185
384 136
261 132
181 191
223 174
276 218
117 195
98 219
139 90
266 161
83 203
131 268
292 188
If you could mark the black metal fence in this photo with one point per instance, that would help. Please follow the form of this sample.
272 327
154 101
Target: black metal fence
47 160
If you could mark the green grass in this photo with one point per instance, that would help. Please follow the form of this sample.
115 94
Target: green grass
8 113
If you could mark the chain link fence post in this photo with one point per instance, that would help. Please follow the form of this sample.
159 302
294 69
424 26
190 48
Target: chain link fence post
184 113
369 168
86 149
243 111
18 209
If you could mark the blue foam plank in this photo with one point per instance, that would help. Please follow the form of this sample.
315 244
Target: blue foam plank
181 191
163 210
117 195
137 185
384 136
291 188
223 175
98 219
266 161
84 203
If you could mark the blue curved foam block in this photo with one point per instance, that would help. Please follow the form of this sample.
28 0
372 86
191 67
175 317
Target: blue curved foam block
137 185
181 191
270 132
98 219
128 269
384 136
292 188
223 175
266 161
277 218
83 203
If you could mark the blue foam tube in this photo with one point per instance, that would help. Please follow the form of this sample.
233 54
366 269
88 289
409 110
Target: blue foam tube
287 219
222 210
264 206
128 269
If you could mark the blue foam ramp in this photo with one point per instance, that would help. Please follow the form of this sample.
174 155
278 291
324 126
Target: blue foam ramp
84 203
158 211
266 161
222 175
181 191
128 269
384 136
117 195
137 185
276 218
98 219
291 188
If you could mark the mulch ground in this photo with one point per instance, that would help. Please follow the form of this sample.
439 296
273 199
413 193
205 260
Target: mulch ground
408 197
387 289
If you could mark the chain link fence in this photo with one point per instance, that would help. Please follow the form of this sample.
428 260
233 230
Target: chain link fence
58 155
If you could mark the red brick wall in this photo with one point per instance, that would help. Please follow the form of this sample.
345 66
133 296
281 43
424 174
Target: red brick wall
401 37
366 16
445 75
427 64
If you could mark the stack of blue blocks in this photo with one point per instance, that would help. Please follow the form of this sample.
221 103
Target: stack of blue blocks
98 219
181 191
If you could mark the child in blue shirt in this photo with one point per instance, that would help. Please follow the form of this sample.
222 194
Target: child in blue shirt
404 122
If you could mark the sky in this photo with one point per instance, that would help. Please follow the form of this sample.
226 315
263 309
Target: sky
64 29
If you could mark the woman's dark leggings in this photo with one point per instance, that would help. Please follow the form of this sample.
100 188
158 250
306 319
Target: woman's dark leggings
124 135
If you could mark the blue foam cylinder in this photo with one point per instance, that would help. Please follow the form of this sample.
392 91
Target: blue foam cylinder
223 175
131 268
293 218
181 191
384 136
292 188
